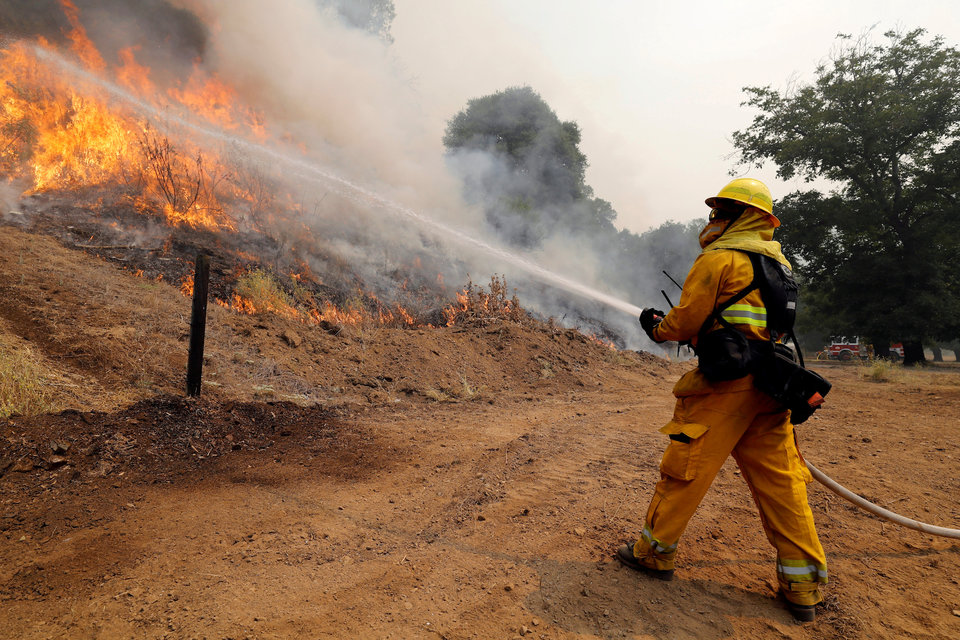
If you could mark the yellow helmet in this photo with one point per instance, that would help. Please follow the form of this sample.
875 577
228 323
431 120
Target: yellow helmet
750 192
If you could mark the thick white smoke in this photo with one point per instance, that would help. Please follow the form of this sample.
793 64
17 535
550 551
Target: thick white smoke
336 90
339 93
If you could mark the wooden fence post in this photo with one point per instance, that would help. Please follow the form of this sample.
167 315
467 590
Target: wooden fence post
198 324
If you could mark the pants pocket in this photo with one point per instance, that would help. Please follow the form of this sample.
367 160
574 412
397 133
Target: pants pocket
681 460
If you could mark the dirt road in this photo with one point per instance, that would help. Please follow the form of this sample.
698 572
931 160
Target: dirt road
461 483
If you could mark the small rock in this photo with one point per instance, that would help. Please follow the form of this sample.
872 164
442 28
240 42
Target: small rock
292 338
866 439
59 447
56 461
580 531
480 518
22 466
524 630
508 587
535 622
956 612
102 469
407 606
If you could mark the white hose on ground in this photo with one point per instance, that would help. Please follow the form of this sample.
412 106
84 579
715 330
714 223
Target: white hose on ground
843 492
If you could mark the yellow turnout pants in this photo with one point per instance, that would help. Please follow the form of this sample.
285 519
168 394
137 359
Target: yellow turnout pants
712 421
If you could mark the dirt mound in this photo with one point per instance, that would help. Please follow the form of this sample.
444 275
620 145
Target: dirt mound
169 435
107 337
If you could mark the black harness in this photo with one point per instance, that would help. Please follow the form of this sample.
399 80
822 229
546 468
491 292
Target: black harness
779 371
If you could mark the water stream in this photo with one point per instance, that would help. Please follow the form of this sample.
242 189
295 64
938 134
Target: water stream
314 172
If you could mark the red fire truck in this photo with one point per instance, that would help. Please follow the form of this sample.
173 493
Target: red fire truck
896 351
845 348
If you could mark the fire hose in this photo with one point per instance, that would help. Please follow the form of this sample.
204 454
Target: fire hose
866 505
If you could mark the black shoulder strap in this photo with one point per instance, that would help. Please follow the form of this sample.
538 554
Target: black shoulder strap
755 259
717 316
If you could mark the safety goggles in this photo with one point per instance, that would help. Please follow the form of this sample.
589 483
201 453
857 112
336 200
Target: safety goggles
728 212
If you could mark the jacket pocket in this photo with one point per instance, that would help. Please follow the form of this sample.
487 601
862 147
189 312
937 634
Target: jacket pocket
681 460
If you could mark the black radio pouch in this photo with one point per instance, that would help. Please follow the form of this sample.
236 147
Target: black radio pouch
724 354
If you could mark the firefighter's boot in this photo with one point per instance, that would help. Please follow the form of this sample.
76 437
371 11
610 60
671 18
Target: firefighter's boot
660 568
802 598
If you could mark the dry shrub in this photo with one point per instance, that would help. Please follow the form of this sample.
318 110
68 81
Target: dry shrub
263 292
23 388
546 368
185 186
437 396
476 306
881 371
462 390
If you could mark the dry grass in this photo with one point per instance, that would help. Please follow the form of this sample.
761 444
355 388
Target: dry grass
262 290
893 372
881 371
437 395
936 376
477 307
23 387
546 368
462 390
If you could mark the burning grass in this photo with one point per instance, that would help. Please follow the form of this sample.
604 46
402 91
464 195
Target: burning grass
98 132
58 134
475 306
79 123
260 291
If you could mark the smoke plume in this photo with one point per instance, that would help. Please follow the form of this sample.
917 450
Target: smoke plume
359 157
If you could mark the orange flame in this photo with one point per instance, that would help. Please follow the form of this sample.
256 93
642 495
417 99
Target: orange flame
186 287
79 42
132 74
73 134
216 101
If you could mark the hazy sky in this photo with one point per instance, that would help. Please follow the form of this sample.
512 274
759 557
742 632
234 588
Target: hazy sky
654 85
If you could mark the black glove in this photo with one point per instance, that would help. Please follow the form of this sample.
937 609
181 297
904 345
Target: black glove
650 318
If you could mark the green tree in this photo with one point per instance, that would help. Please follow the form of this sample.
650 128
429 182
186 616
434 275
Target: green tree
880 122
525 165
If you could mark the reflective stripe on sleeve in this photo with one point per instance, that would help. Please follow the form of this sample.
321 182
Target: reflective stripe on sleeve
745 314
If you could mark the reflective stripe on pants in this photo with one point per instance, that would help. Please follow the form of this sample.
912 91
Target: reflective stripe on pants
749 425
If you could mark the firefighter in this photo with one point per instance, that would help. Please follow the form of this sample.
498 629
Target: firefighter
713 420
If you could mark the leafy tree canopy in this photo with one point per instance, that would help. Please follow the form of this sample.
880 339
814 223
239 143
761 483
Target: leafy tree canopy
881 252
538 178
524 166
